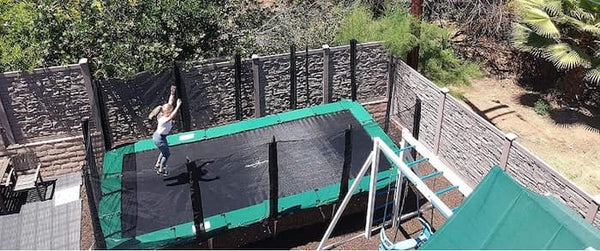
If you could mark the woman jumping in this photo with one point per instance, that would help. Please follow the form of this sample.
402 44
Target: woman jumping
165 113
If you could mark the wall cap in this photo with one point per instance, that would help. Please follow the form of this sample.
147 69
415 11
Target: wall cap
511 136
444 90
83 61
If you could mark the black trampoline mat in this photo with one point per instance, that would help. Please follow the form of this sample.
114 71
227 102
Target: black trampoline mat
235 167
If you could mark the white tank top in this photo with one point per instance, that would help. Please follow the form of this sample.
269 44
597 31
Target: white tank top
164 125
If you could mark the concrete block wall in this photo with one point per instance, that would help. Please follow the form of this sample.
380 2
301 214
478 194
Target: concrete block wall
468 142
532 173
57 156
45 104
311 94
407 87
471 145
41 112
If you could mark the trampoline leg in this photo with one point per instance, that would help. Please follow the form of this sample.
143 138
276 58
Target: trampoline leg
274 229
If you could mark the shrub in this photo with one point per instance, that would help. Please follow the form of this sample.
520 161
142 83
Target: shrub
541 107
437 59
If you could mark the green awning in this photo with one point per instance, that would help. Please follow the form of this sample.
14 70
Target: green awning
501 214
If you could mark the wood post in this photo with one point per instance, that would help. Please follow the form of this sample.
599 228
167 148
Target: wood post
440 119
259 90
416 9
326 77
510 137
307 76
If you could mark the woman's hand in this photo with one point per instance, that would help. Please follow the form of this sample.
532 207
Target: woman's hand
178 102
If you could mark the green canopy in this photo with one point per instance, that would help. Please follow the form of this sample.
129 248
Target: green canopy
501 214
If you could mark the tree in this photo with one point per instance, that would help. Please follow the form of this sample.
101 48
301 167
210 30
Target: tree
121 38
565 33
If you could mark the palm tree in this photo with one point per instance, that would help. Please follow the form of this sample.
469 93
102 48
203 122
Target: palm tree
564 32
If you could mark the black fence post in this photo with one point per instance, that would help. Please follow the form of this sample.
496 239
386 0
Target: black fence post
307 75
273 180
92 197
97 89
353 68
196 197
347 163
293 85
390 93
238 86
184 111
416 125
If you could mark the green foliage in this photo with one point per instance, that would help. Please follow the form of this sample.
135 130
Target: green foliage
304 23
564 32
393 29
541 107
19 48
438 61
122 38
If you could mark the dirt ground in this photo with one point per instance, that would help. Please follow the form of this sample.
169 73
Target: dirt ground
568 140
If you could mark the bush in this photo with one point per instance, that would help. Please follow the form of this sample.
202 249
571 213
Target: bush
541 107
437 59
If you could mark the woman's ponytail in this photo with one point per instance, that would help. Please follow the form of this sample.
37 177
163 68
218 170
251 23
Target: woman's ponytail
154 112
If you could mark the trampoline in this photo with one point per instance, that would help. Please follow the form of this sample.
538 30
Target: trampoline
140 209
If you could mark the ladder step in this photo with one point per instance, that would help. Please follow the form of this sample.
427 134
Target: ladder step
403 149
445 190
417 162
384 205
382 192
431 175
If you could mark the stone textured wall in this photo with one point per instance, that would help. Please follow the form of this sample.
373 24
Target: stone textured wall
45 104
532 173
371 72
468 142
377 110
274 75
57 157
311 94
408 85
211 93
339 70
128 103
472 145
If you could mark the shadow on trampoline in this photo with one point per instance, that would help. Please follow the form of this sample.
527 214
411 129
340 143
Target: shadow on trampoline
183 177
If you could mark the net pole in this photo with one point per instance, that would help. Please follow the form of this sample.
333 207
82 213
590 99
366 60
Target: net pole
347 163
390 93
238 86
293 84
196 197
273 180
353 68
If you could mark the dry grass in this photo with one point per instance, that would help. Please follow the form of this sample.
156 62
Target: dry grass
571 148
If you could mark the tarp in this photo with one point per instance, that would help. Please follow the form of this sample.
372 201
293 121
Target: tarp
501 214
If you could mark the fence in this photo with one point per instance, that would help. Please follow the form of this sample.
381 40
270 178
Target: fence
224 92
472 145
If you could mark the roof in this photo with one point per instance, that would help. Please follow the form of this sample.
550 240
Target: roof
502 214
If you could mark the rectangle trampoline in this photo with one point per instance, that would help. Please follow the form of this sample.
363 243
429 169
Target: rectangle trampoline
140 209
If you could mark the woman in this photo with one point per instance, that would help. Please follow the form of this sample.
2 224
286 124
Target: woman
165 113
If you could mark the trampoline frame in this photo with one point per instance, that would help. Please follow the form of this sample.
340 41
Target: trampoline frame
109 209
